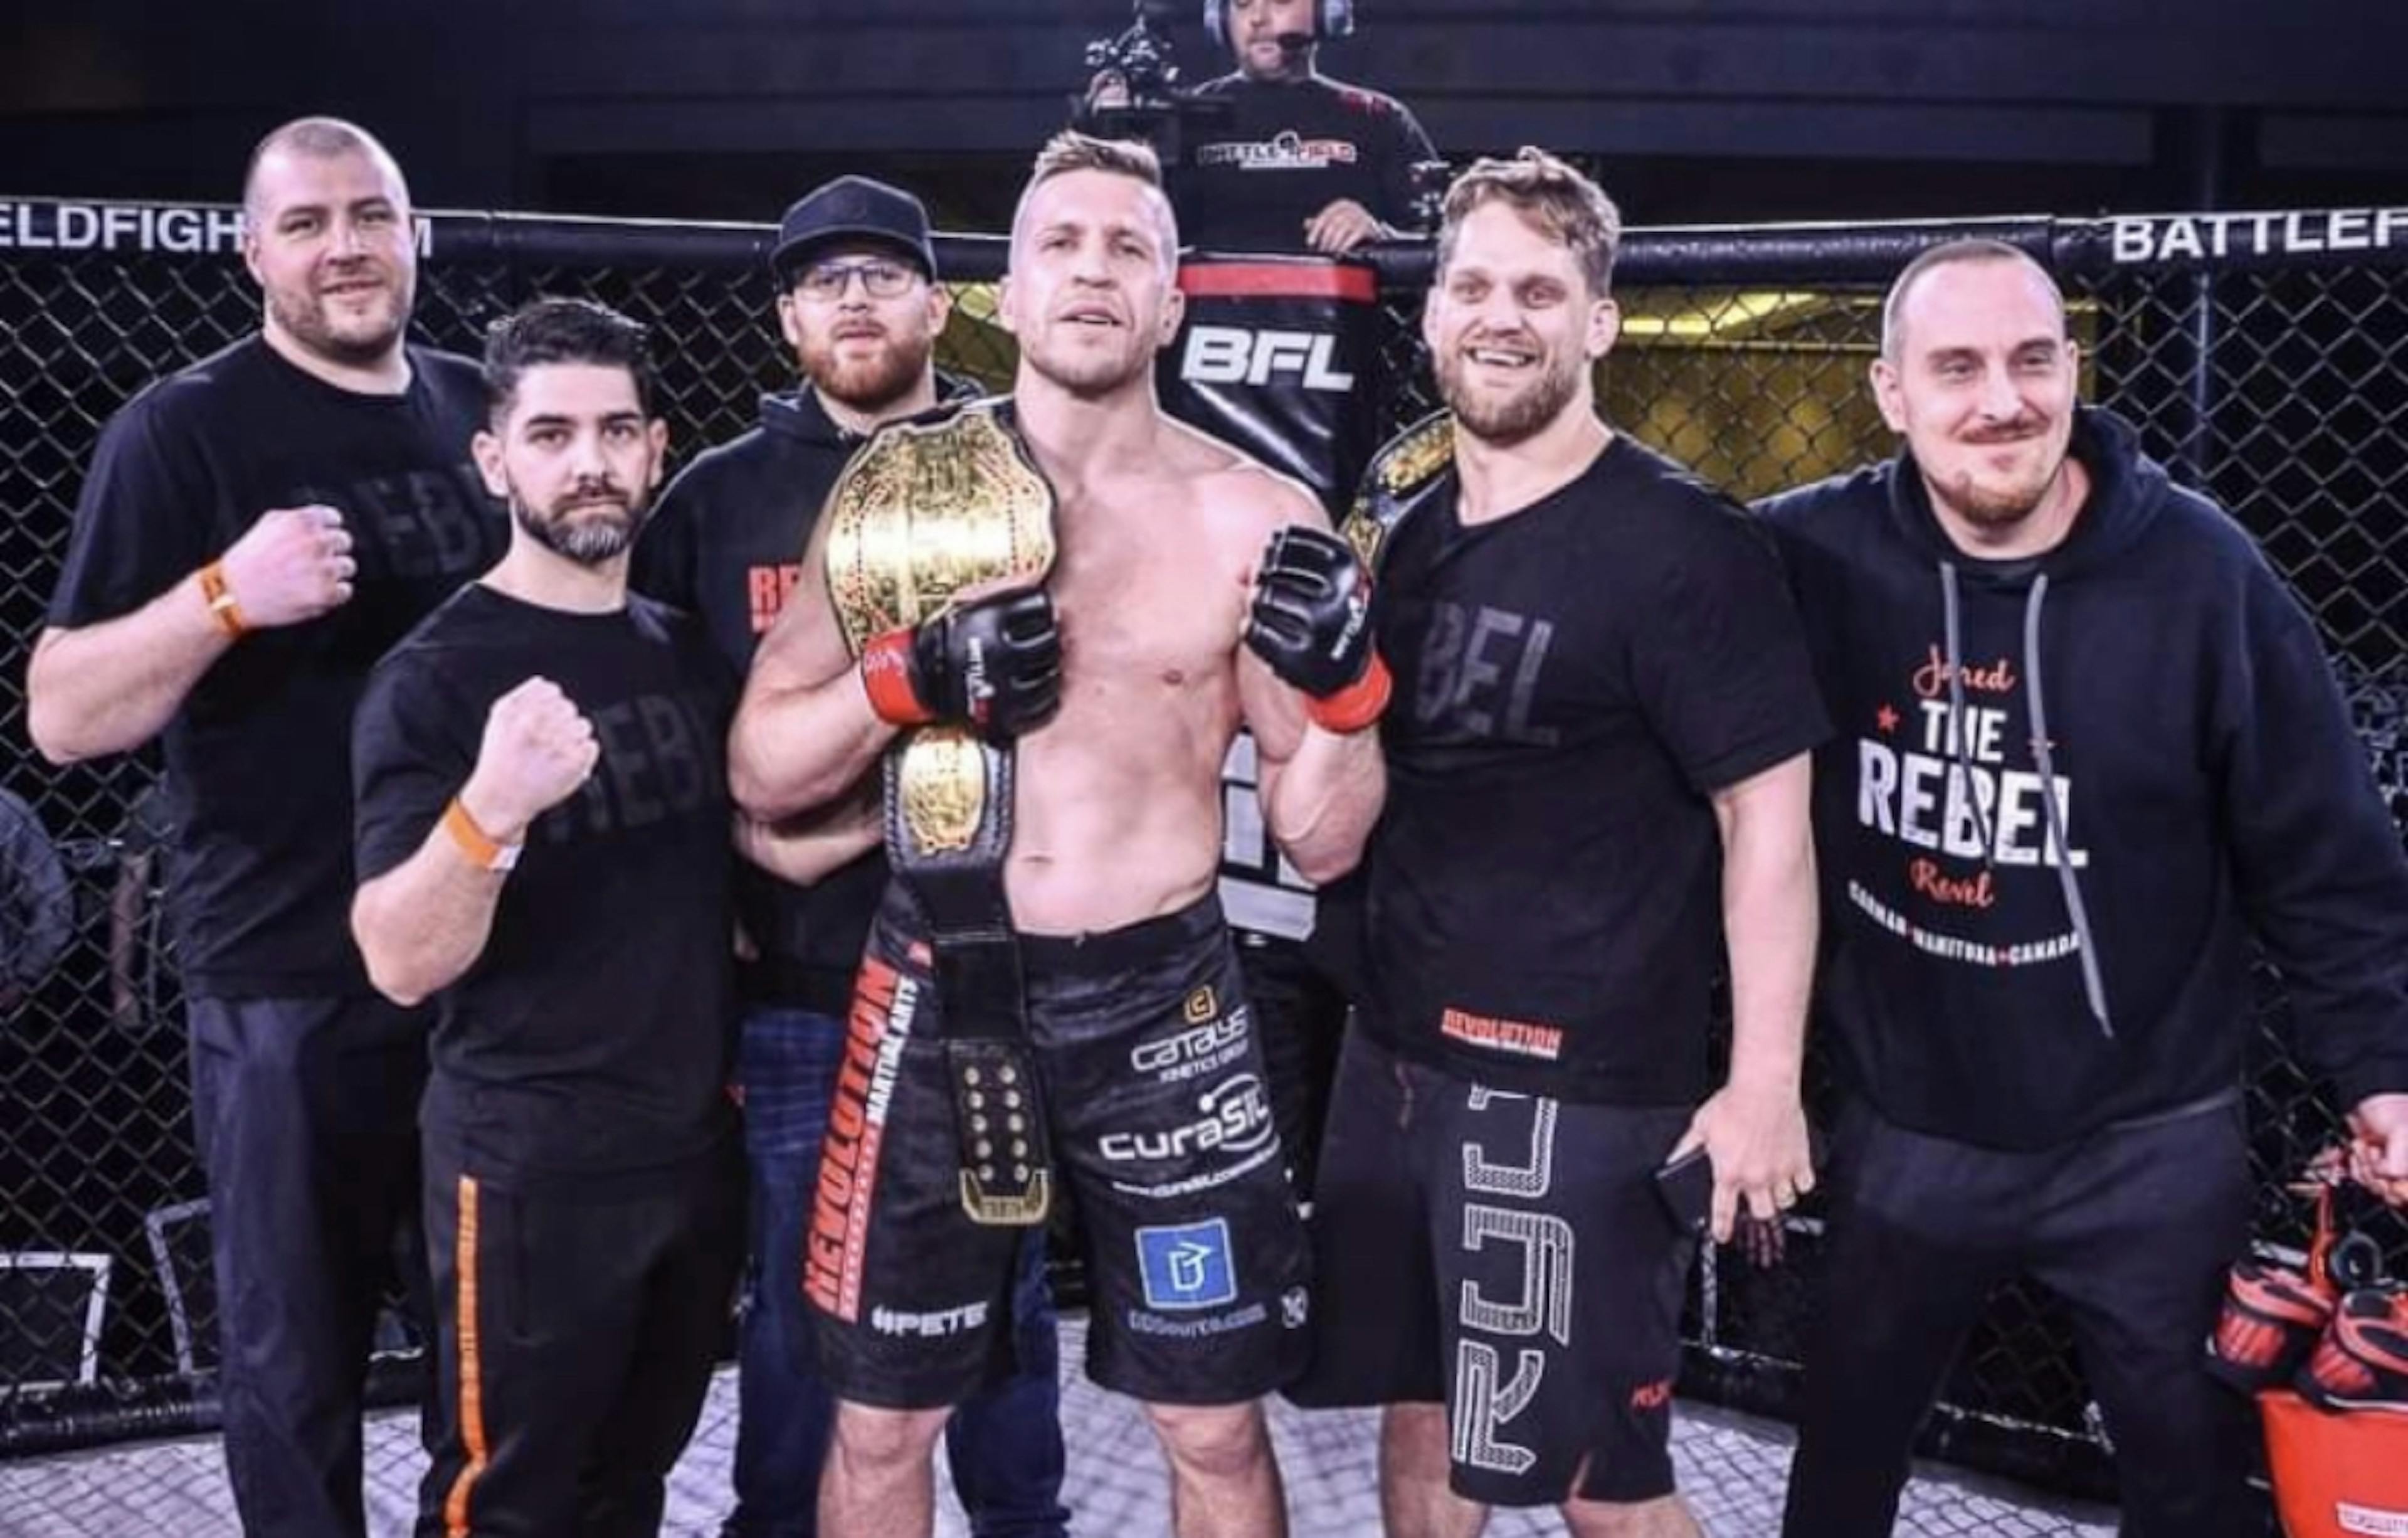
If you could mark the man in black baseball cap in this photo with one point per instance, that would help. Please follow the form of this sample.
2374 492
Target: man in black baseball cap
852 209
858 304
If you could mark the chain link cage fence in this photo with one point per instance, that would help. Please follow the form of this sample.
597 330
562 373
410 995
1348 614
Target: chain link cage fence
2265 358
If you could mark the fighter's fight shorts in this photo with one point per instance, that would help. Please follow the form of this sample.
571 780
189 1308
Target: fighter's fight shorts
1162 1131
1507 1255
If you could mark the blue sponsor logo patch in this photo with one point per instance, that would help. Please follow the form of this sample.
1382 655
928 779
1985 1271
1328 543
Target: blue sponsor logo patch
1188 1266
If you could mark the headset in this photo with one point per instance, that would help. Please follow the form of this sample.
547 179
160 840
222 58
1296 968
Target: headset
1331 19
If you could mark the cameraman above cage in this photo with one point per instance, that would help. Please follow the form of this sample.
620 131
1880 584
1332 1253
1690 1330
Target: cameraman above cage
1274 156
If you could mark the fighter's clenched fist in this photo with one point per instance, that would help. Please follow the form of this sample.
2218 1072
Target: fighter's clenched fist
537 749
1311 622
293 564
992 663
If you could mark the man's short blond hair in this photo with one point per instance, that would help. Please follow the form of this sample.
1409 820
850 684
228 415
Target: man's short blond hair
1571 210
1069 152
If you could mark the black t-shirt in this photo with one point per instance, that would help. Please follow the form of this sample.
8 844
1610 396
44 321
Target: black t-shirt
1287 150
593 1031
1572 684
260 882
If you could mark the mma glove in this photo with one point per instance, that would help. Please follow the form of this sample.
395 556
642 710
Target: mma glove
1311 622
992 664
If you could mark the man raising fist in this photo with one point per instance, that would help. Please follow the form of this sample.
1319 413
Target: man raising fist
543 842
255 531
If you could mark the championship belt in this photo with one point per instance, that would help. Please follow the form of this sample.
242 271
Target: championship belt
925 510
1409 473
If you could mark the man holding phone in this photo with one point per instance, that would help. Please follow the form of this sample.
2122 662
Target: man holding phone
1597 770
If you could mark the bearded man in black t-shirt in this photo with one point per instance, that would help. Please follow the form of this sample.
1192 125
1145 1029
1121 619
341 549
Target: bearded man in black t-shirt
254 532
1597 774
544 848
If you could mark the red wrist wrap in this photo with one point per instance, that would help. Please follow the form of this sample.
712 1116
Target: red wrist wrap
886 674
1356 706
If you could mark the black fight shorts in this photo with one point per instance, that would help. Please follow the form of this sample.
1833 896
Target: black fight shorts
1162 1131
1507 1255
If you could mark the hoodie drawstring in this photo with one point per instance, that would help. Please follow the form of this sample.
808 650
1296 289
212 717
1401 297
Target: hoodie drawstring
2093 984
1950 622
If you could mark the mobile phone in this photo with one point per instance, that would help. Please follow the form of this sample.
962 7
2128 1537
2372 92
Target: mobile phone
1685 1186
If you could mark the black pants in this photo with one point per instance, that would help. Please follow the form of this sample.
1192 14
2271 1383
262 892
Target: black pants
305 1113
577 1326
2133 1227
1300 1019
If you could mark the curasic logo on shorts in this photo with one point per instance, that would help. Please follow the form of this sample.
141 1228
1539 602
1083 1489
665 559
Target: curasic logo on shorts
1521 1038
1201 1049
1234 1117
884 1002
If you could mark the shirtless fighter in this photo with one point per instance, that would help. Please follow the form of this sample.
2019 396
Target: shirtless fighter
1121 680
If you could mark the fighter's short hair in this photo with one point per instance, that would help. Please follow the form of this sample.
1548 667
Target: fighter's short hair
564 331
1946 254
321 139
1071 150
1572 210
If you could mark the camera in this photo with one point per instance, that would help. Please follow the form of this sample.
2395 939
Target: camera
1143 57
1148 102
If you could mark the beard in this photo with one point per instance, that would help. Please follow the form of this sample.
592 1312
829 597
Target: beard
353 339
868 384
2001 504
1514 418
1994 506
580 528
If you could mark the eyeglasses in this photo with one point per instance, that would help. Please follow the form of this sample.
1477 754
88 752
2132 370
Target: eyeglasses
824 282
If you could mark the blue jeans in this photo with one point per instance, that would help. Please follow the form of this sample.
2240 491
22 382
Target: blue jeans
1004 1447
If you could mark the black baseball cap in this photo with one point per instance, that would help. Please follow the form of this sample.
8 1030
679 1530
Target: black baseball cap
852 207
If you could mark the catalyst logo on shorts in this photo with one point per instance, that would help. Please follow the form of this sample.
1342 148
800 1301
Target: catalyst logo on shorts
1191 1053
1188 1266
933 1324
1234 1117
834 1252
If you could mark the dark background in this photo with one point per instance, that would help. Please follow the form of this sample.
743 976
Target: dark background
1697 111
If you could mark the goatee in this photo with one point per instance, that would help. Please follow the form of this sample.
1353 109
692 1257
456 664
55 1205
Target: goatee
589 540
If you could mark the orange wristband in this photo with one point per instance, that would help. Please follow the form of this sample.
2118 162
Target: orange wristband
1356 706
482 849
220 598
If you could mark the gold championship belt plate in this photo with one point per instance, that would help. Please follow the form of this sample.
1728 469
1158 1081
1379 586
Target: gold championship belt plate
926 511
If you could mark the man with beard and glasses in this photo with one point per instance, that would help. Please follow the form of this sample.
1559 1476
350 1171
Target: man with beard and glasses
1123 680
255 531
1597 774
859 304
2091 748
543 845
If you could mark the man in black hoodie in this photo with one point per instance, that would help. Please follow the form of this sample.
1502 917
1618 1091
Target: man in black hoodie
859 304
2088 746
